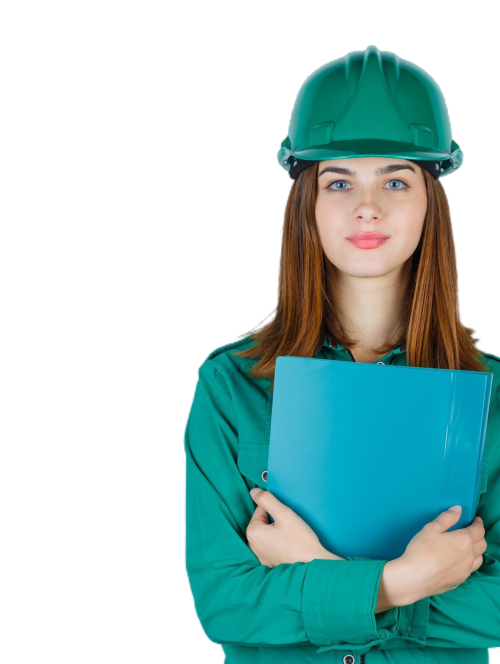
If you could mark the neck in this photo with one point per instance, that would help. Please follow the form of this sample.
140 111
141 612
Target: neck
371 307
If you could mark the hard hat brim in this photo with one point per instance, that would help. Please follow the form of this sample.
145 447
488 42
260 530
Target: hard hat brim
372 148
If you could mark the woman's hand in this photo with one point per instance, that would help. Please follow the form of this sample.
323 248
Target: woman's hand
288 540
436 561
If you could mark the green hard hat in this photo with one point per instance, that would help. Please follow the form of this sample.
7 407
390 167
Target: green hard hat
370 104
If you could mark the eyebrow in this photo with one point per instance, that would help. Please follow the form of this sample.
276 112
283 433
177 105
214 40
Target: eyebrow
380 171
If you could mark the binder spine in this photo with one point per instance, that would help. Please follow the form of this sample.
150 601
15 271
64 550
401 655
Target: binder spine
444 494
484 425
462 447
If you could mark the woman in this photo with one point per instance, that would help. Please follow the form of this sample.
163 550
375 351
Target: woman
368 274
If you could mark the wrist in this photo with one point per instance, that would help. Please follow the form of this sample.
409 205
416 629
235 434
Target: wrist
397 584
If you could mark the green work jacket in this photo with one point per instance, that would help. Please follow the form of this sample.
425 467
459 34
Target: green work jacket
323 610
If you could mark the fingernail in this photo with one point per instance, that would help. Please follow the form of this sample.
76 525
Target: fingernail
456 508
254 491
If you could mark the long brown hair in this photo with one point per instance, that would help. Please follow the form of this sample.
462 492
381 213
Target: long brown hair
307 309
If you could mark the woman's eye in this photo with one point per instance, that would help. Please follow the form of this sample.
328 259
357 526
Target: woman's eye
405 186
343 182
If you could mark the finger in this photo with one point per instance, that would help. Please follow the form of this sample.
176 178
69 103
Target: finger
476 529
477 563
260 516
480 547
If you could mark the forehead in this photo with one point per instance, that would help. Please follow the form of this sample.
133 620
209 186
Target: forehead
364 163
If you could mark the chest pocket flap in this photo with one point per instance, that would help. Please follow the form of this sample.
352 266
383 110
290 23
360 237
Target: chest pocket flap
252 463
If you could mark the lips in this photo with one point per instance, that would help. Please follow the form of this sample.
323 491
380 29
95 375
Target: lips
367 236
367 243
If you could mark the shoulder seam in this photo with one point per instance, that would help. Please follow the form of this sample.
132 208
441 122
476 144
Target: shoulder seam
213 366
221 349
220 371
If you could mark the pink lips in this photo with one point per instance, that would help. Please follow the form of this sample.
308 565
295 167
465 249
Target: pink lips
367 240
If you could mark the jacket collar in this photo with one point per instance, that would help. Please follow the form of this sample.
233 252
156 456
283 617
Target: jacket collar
330 342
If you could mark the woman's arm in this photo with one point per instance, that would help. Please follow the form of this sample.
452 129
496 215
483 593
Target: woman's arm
238 600
290 539
467 616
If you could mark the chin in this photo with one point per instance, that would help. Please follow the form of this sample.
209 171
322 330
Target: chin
365 269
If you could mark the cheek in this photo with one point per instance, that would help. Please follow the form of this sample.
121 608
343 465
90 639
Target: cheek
329 241
327 233
411 225
404 240
329 218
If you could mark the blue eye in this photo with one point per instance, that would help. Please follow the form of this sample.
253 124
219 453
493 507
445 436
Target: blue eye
345 183
398 188
336 182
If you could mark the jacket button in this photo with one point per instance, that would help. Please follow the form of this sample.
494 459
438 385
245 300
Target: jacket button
349 659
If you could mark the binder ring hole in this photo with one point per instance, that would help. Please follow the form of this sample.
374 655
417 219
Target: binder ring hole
264 475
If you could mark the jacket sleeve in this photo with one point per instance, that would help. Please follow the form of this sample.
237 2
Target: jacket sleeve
238 600
467 616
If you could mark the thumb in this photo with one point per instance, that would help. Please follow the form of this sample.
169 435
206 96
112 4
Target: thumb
260 516
269 502
449 517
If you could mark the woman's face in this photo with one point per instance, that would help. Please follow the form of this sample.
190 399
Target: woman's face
366 196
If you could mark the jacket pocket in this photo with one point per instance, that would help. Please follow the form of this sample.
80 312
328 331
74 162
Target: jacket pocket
252 463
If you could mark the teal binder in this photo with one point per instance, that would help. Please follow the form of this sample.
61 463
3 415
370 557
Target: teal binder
368 454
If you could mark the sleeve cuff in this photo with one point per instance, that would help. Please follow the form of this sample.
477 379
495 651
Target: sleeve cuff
413 623
339 601
408 623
